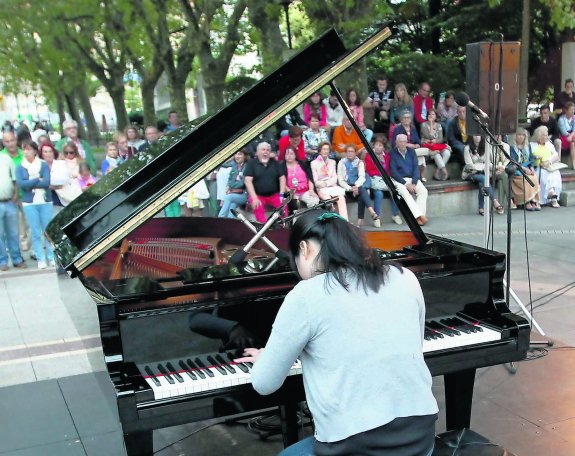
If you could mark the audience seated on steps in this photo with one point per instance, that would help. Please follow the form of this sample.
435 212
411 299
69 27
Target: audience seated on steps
344 135
299 179
264 181
352 178
379 99
523 193
446 110
407 128
547 120
400 103
405 173
474 171
324 175
457 135
378 185
422 104
313 136
547 171
236 194
566 124
356 108
433 140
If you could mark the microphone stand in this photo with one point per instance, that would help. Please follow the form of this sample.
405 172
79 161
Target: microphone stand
510 170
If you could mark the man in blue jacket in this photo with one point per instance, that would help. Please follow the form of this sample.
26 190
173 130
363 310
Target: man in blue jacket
405 173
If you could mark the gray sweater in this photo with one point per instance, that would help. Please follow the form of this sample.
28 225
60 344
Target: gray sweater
361 353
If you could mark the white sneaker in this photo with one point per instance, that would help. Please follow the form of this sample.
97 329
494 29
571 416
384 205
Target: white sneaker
397 219
377 223
42 265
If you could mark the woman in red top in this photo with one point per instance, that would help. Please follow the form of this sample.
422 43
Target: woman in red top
298 178
378 185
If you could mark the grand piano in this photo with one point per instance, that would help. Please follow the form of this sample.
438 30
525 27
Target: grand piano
174 308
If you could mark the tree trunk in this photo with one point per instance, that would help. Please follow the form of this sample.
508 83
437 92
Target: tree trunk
92 126
75 113
177 91
272 43
117 95
435 32
524 59
61 110
214 81
147 91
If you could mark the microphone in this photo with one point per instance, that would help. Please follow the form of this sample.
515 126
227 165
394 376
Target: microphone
462 99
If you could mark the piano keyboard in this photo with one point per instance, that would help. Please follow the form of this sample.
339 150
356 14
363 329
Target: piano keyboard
203 373
198 374
454 332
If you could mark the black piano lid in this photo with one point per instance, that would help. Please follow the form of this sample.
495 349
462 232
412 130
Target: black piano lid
131 194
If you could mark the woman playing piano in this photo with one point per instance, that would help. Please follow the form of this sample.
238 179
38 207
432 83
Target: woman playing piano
357 326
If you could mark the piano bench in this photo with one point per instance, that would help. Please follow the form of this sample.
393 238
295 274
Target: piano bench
465 442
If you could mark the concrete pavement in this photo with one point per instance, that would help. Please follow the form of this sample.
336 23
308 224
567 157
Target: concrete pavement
50 343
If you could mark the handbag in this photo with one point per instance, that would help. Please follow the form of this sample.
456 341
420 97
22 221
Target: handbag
377 183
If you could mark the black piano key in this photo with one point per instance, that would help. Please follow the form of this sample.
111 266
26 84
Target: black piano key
196 368
454 330
224 363
166 375
434 331
471 327
187 370
215 365
437 327
174 372
152 376
203 366
240 366
455 325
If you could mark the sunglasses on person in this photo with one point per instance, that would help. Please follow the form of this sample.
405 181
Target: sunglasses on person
69 152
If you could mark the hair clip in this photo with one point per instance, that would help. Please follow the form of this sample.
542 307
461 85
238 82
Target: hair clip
329 215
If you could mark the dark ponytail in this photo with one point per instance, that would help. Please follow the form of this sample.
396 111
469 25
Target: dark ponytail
342 250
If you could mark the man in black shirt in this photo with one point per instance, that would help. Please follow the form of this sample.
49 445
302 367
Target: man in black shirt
546 120
380 100
264 182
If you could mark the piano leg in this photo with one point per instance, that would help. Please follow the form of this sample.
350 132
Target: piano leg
288 418
458 399
139 443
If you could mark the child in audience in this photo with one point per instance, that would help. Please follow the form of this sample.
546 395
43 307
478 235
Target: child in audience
85 178
112 159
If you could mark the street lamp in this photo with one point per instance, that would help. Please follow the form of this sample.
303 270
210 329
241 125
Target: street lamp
286 4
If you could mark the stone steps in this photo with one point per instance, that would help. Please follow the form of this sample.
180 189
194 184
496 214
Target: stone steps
458 197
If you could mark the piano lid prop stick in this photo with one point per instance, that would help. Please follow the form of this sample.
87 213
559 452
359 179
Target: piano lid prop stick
240 254
270 244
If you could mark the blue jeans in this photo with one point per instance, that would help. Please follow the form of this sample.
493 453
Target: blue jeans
38 216
9 237
377 200
305 448
232 201
302 448
479 179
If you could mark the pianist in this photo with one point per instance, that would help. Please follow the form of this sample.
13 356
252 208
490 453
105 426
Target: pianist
357 326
